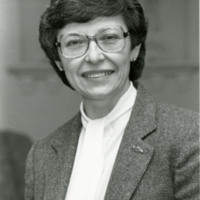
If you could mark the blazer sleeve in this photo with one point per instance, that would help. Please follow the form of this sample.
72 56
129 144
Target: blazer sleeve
186 177
29 176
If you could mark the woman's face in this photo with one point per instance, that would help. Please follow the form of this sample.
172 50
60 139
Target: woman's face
98 75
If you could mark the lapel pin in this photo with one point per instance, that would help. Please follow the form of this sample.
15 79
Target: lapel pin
138 149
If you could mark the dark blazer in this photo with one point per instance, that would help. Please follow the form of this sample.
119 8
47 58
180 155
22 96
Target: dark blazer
157 158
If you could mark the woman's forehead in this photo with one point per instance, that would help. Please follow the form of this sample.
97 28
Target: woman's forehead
93 26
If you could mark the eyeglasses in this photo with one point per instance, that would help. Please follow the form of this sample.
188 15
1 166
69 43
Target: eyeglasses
109 40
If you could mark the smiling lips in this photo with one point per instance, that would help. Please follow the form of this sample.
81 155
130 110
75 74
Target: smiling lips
97 74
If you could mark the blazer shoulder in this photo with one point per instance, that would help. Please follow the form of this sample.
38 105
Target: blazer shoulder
61 132
180 122
178 115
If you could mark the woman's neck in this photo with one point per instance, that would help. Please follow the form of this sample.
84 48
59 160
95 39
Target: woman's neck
98 108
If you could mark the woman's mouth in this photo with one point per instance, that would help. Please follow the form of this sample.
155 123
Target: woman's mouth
97 74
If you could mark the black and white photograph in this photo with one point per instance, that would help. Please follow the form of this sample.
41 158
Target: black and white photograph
99 100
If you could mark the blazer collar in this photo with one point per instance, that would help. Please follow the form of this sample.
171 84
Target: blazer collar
63 150
143 118
133 156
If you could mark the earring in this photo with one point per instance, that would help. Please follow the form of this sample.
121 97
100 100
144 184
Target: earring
61 69
133 60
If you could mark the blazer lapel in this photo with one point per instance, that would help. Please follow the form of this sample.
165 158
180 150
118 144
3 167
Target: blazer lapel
134 154
63 150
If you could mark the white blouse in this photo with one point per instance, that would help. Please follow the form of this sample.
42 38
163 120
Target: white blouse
97 149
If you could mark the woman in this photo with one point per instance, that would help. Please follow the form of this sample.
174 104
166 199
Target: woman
122 144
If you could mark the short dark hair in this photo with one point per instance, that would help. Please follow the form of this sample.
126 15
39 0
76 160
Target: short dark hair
62 12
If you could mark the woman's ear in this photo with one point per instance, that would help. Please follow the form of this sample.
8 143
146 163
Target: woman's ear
59 65
134 53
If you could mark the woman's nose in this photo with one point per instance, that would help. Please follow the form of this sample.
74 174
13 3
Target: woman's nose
94 54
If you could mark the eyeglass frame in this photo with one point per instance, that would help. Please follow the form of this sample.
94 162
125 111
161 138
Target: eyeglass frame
93 38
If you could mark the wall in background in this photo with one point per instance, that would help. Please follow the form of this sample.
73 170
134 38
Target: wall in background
34 101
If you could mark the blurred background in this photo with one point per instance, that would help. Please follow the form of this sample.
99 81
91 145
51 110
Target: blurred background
33 101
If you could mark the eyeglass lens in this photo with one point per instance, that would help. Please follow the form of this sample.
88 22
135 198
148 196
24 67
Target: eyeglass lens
108 40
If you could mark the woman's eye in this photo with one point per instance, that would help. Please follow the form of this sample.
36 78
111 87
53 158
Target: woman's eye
72 43
110 38
76 43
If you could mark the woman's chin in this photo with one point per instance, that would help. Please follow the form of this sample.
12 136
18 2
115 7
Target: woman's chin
98 93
